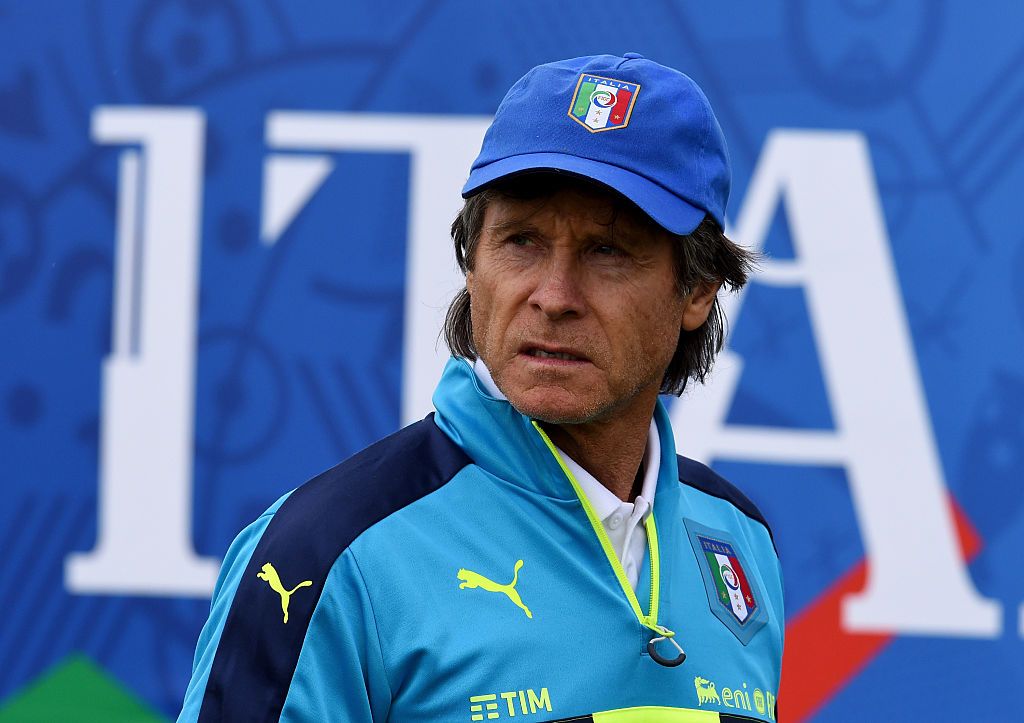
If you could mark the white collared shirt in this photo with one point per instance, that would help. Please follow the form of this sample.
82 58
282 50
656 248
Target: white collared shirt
622 521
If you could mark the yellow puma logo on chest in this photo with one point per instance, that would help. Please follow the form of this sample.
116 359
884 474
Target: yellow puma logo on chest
274 580
472 579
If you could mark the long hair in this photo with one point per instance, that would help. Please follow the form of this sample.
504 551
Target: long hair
705 256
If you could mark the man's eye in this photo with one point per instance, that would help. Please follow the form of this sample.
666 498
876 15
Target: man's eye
520 240
607 250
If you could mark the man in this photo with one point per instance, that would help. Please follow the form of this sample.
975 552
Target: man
535 549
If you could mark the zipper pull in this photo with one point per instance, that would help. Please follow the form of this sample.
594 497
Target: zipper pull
665 634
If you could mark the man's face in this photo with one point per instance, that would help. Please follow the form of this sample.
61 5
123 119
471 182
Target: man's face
575 309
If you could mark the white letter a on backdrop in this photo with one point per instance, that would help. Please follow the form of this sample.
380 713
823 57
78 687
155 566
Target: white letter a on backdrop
883 436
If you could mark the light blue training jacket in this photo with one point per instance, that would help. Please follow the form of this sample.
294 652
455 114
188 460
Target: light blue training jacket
454 572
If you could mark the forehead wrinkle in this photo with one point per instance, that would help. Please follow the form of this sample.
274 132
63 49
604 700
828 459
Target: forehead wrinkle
516 214
607 222
616 234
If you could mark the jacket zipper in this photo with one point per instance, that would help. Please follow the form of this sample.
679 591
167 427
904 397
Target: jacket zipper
649 620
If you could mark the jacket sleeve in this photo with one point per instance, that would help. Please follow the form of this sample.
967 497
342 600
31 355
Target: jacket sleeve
239 672
231 571
340 674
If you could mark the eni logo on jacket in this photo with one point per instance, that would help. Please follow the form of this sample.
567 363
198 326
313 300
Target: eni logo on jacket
763 701
274 580
472 579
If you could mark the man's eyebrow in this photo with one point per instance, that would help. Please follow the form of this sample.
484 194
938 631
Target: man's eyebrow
610 236
512 224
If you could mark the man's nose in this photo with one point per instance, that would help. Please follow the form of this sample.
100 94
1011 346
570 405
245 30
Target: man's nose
558 291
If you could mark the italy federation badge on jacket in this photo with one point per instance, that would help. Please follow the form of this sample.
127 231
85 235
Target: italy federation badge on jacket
452 572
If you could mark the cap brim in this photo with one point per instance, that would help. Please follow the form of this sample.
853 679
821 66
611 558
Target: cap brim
668 210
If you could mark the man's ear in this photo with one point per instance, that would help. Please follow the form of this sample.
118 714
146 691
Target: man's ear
698 305
469 282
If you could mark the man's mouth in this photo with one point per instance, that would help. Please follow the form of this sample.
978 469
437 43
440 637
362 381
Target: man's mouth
559 354
553 355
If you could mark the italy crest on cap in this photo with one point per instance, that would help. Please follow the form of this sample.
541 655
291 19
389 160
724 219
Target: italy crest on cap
732 587
602 104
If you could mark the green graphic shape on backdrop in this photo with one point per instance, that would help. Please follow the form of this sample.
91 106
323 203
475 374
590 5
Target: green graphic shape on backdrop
75 690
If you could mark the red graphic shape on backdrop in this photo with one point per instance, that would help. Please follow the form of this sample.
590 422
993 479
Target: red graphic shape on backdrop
810 679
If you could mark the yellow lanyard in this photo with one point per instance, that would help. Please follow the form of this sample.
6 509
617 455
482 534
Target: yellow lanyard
651 619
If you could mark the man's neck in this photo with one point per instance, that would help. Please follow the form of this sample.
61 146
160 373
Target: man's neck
610 450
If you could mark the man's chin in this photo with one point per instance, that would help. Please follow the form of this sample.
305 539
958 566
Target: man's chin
550 411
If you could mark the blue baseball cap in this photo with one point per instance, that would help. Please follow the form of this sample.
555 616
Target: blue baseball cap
638 127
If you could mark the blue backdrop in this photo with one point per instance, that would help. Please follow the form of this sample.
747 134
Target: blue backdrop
321 260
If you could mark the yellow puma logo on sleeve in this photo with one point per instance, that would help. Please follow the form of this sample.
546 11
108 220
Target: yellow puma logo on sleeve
274 580
472 579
